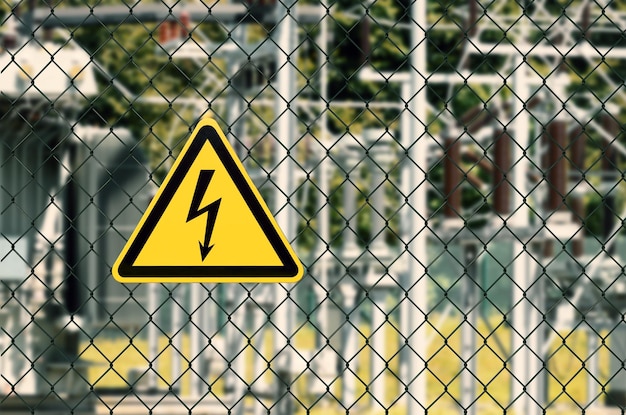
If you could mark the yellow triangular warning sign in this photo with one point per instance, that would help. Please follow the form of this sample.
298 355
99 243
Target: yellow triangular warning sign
207 223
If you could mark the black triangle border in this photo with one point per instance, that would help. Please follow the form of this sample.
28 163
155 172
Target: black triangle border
126 269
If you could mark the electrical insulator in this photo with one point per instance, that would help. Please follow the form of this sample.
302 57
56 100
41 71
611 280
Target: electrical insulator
175 29
9 41
164 32
185 23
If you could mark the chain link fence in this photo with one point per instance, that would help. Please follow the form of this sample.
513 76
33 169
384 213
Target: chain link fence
450 173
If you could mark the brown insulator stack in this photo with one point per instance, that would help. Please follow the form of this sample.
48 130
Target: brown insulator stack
453 177
556 165
501 172
578 139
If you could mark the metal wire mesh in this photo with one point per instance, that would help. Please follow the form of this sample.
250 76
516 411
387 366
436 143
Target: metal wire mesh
449 173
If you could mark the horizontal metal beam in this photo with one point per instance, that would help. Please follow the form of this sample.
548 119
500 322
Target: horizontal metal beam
544 50
46 17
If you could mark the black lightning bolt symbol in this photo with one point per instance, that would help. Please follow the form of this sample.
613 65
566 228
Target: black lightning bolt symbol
194 210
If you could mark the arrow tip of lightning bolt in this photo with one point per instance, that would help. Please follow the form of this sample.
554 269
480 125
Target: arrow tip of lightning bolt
204 250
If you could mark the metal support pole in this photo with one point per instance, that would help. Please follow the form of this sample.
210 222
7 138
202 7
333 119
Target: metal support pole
27 381
234 342
468 331
235 107
592 365
208 312
349 379
350 247
379 342
261 386
285 36
382 154
7 353
195 338
153 336
616 393
92 167
176 334
322 286
378 222
324 183
241 364
415 143
525 365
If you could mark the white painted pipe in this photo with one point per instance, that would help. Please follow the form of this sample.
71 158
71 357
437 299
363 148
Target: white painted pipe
176 335
414 234
378 341
350 350
468 333
153 336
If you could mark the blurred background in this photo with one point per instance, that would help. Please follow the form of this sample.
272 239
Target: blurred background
450 173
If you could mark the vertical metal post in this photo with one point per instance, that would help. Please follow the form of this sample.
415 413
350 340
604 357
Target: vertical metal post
286 131
261 386
324 182
379 345
153 337
578 139
209 317
415 143
616 394
176 333
382 154
258 323
592 366
195 338
92 169
285 36
321 289
232 336
350 246
4 355
524 365
350 349
27 379
235 107
9 374
468 330
406 307
234 342
241 320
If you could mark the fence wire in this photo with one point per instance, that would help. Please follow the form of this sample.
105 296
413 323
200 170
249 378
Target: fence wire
449 173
